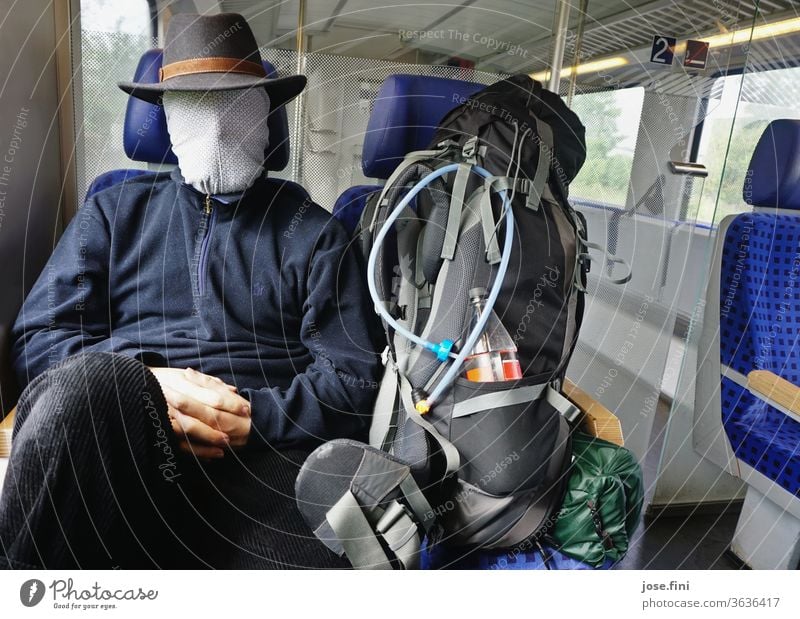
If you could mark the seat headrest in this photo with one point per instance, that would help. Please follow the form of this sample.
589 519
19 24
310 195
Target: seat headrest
773 178
405 114
145 137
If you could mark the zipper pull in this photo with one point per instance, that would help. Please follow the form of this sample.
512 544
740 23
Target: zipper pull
208 204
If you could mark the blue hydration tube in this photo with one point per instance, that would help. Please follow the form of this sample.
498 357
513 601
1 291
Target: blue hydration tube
443 349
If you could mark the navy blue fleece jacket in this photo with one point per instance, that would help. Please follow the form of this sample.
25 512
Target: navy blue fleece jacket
261 292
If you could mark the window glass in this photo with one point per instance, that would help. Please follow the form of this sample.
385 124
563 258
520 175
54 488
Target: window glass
611 119
114 35
765 96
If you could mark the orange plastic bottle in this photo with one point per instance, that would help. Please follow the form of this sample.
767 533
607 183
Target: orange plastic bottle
494 356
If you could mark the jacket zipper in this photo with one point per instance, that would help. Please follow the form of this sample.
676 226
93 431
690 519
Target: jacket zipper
208 221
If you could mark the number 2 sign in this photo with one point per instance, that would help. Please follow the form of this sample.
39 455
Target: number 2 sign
663 51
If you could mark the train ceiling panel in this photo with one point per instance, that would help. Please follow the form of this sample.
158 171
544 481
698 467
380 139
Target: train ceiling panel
505 36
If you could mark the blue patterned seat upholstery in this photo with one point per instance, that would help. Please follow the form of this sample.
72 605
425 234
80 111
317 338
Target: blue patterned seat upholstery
760 306
530 559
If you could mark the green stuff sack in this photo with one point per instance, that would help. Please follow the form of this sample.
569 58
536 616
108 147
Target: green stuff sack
602 504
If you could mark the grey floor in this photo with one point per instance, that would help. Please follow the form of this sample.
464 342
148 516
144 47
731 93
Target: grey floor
693 541
689 542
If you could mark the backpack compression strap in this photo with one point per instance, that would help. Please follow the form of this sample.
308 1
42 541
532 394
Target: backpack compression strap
365 504
397 528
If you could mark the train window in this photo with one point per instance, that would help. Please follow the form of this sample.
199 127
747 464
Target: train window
113 37
611 120
749 101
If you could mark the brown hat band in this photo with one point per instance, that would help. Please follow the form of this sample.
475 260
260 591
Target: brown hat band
210 65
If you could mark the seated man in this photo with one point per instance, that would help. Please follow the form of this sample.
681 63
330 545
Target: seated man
191 339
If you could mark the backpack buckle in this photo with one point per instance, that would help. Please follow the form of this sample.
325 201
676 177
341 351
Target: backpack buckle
470 150
386 358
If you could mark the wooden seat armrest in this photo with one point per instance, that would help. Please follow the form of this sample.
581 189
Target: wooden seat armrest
6 427
598 420
773 389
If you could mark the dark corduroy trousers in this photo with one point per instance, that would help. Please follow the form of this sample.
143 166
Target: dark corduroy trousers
96 480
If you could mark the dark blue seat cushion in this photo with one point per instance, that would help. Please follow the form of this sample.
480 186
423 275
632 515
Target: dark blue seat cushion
762 436
145 136
773 179
351 203
112 177
405 115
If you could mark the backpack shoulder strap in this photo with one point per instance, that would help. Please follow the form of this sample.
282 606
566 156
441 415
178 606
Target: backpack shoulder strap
411 159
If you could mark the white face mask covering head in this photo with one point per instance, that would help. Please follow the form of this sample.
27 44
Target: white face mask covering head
219 137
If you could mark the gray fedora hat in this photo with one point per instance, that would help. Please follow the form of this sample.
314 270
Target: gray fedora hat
214 52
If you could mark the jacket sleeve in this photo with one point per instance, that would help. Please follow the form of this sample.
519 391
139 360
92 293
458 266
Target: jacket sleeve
334 395
66 311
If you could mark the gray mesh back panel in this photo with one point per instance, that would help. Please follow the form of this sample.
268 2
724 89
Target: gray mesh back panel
449 313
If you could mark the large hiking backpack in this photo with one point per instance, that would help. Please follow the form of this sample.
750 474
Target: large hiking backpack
478 465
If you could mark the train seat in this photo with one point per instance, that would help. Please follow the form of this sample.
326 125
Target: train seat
145 137
755 293
405 114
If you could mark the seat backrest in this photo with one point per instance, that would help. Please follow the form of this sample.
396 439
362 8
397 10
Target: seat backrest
758 305
752 310
405 114
145 136
760 264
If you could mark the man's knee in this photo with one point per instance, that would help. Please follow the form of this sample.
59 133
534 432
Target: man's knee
87 389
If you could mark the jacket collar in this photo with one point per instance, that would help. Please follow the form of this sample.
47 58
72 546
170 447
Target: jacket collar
225 198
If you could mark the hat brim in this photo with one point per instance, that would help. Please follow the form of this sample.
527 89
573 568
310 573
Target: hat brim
281 90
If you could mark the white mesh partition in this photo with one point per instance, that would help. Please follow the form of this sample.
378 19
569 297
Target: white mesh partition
106 58
337 105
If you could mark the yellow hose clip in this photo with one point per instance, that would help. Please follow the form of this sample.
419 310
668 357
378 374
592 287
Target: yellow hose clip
422 407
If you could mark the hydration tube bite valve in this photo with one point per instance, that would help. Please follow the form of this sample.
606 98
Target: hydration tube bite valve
420 398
